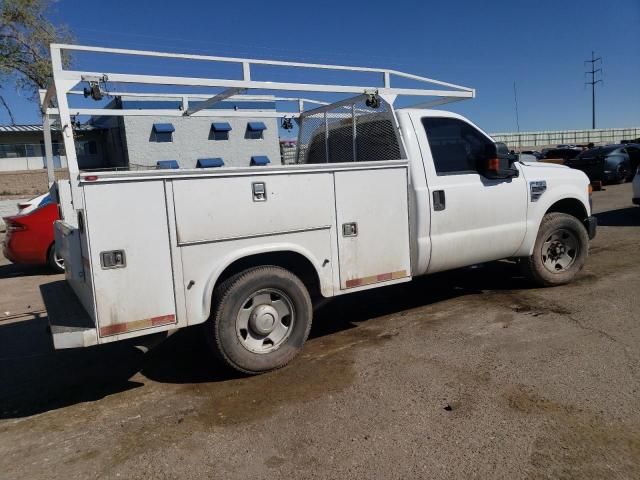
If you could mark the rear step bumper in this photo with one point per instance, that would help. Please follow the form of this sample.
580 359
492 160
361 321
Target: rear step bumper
70 324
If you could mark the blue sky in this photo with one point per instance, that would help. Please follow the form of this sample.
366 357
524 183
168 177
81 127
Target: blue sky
487 45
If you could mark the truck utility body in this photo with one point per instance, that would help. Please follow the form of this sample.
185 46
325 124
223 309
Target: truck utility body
377 196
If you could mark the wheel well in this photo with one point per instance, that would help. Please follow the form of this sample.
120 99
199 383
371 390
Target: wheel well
570 206
296 263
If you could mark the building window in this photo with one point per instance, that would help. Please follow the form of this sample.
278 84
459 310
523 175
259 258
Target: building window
255 130
167 164
162 132
86 147
209 163
219 131
259 161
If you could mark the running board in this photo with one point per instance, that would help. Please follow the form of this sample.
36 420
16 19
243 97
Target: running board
69 323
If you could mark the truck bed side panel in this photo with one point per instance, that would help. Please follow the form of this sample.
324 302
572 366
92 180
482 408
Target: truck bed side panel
215 209
218 221
375 203
131 217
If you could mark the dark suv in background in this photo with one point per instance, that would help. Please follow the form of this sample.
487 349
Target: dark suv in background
565 153
609 164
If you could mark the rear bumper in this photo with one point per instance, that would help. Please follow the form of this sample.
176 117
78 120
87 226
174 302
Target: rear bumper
591 224
69 323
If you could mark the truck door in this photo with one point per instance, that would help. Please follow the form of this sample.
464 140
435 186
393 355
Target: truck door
373 226
473 219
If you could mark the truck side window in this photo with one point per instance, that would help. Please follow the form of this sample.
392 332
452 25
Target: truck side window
456 147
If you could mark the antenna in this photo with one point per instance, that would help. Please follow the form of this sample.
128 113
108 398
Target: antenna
593 83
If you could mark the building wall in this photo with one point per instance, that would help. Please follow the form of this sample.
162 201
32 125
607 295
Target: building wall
35 153
191 141
30 163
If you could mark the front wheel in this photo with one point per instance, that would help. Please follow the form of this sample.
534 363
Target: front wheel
561 248
261 319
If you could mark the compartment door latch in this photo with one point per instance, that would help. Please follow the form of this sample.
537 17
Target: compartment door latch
113 259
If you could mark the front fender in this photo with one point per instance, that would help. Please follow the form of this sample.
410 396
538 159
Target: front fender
557 190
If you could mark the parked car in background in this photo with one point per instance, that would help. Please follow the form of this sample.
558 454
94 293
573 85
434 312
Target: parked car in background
565 153
535 153
636 188
30 205
29 238
609 164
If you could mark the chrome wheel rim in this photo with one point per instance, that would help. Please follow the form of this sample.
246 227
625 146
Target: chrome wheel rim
58 260
560 250
265 320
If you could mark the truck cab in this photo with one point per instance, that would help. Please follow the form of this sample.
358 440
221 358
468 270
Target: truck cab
478 214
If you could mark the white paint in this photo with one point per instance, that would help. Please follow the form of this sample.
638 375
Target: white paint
376 202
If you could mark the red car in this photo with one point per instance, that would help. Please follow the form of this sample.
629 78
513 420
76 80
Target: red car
29 237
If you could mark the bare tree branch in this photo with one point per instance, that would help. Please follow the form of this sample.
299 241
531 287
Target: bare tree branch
25 36
4 104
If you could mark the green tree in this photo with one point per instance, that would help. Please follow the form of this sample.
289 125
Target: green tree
25 36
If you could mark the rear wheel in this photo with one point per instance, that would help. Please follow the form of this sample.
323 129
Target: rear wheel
55 261
261 319
560 250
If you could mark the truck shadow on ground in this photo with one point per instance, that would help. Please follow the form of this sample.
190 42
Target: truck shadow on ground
621 217
15 270
34 378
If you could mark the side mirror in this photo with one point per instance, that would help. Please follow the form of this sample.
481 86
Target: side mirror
498 162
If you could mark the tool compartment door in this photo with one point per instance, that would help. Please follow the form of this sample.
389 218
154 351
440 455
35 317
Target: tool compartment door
372 226
137 294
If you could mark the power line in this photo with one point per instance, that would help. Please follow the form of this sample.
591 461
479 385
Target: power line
593 83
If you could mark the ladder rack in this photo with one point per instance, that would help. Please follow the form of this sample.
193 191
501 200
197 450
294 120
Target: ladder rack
66 82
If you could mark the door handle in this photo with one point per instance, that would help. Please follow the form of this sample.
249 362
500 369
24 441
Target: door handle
439 202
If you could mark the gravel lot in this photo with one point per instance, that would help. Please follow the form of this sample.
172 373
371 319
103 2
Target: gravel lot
469 374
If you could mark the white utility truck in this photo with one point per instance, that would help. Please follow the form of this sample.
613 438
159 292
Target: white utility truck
376 196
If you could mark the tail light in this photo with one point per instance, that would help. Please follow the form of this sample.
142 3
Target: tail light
13 226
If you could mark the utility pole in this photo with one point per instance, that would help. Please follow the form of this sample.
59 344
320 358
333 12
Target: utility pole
515 98
593 82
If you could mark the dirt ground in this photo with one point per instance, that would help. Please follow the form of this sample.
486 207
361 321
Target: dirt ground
468 374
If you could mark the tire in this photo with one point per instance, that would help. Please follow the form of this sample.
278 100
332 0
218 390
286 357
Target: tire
552 261
622 174
55 262
245 308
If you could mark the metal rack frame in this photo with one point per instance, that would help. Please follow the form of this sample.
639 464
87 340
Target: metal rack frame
65 81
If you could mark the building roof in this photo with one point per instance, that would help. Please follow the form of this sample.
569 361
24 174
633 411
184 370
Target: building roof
39 128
